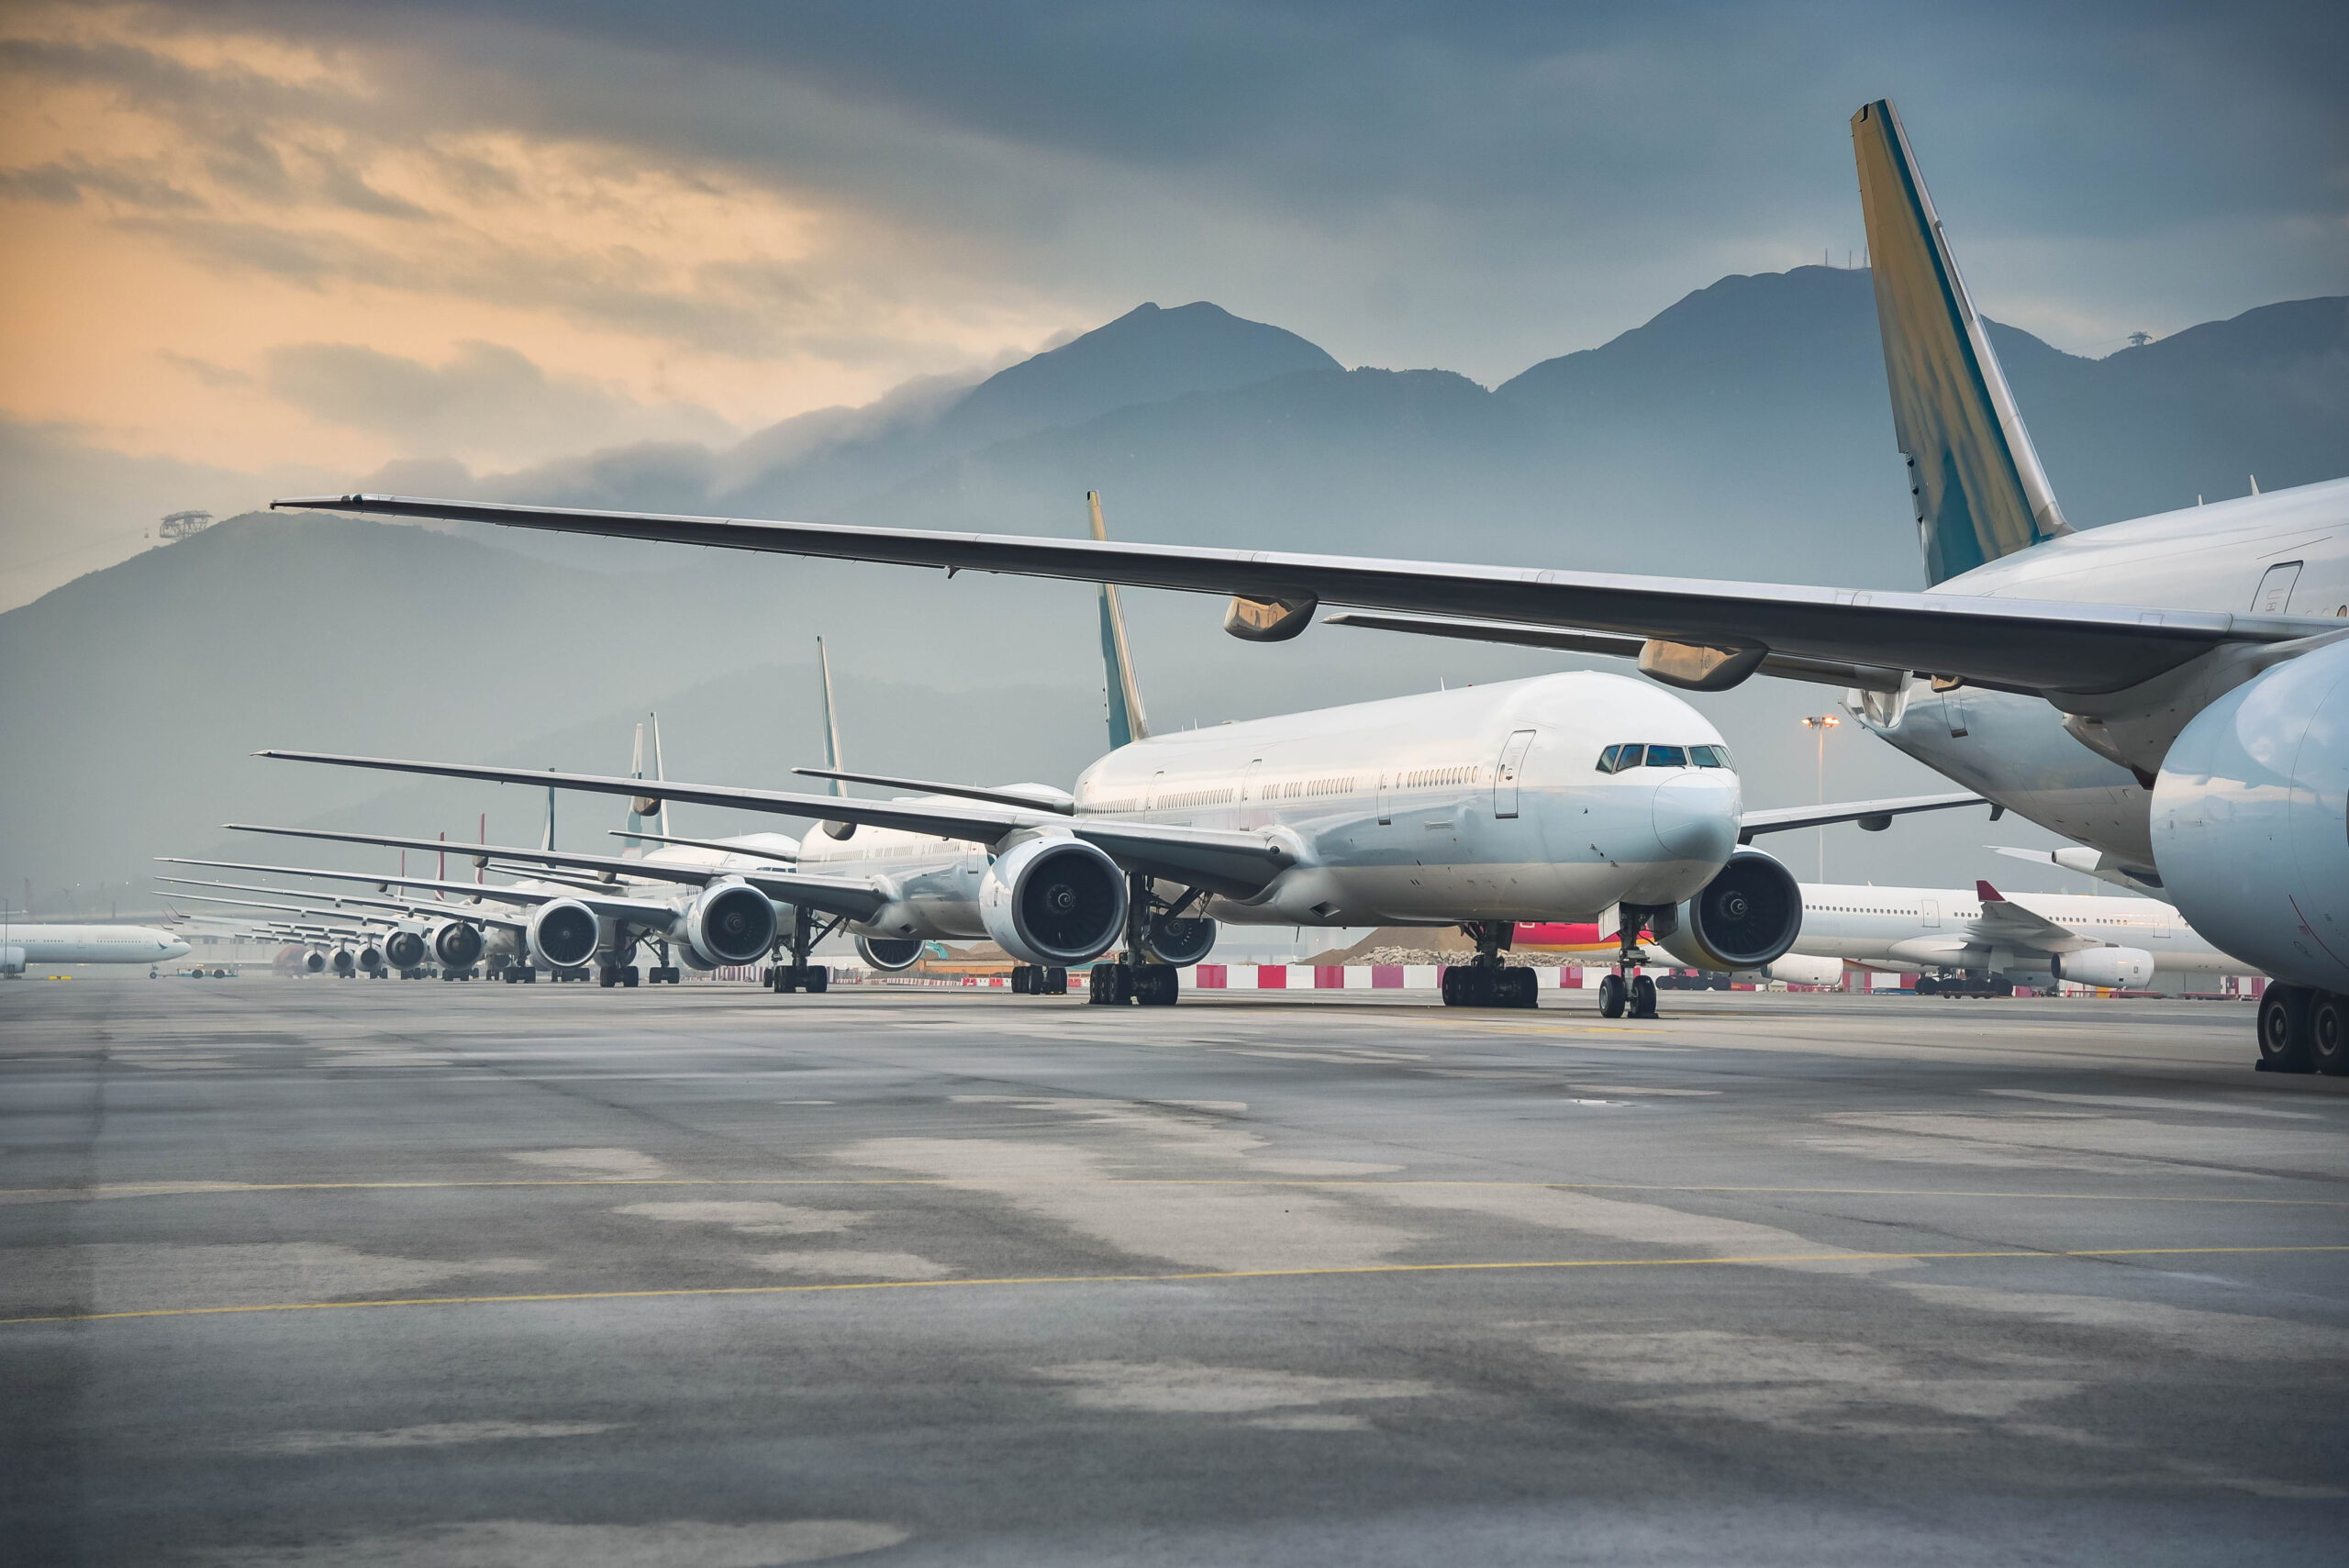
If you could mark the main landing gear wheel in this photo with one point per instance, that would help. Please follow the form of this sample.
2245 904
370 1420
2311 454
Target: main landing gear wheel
1643 997
1611 993
2284 1030
2329 1034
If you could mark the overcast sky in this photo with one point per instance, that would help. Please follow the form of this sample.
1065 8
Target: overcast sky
247 244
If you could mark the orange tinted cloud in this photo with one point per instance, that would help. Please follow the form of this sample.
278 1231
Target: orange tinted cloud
183 210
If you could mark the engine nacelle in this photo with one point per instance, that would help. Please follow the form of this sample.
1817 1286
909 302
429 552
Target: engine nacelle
2251 821
457 944
371 957
1748 915
1054 901
563 934
889 953
1181 942
2123 969
406 949
1802 969
315 961
730 922
344 964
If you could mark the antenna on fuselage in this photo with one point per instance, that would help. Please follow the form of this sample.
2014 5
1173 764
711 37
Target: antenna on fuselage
1128 722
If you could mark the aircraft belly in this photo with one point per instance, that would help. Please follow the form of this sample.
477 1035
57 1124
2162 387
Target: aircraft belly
2016 751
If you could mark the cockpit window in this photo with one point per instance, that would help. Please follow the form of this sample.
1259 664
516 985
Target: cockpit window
1619 759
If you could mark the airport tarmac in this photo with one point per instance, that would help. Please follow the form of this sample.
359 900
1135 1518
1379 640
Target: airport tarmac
308 1271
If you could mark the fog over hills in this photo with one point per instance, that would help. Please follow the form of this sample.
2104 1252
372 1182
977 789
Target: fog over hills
1743 432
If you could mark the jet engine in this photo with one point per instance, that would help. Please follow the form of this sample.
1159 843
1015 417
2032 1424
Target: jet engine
1802 969
371 957
344 964
1182 942
2124 969
730 922
457 944
1749 915
405 949
314 961
889 953
1054 901
563 934
2251 821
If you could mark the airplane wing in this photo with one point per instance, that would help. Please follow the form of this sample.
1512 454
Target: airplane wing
1820 671
345 900
1235 863
857 897
1043 797
2015 644
2101 864
720 845
638 911
2005 922
1873 816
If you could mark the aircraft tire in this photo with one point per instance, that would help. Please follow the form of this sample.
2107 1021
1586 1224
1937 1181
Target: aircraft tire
1519 989
2284 1030
1019 972
1643 997
628 977
1056 981
1611 992
2329 1034
608 977
1157 984
820 979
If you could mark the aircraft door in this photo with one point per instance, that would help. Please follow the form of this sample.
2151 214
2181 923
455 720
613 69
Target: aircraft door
1385 813
1505 776
2275 595
1930 909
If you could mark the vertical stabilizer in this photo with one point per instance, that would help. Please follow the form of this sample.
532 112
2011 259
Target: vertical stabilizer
831 718
1128 722
635 804
660 774
1973 477
546 838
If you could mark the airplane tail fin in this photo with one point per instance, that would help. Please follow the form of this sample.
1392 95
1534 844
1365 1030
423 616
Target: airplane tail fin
640 806
1128 722
831 718
1974 477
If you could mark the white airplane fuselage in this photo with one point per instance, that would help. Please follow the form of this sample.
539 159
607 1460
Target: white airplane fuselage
1484 803
2284 552
22 944
1896 928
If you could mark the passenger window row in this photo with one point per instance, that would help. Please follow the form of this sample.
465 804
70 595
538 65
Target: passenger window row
1617 758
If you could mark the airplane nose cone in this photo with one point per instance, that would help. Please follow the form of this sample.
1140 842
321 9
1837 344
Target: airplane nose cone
1695 814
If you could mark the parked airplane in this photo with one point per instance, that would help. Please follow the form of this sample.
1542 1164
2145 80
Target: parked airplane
1979 940
26 943
1478 807
2201 653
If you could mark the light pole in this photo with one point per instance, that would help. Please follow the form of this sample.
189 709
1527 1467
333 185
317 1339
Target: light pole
1820 723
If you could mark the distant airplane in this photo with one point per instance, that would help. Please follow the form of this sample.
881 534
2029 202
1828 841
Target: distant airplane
25 943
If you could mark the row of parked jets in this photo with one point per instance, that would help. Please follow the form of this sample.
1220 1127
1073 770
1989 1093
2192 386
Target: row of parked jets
2170 693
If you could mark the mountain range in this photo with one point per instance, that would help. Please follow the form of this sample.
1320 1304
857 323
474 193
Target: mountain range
1742 433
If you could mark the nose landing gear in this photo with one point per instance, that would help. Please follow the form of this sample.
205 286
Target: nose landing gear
1626 989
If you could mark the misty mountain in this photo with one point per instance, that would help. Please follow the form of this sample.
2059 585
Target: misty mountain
1743 432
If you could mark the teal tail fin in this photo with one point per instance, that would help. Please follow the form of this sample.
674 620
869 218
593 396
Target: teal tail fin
1973 477
1128 723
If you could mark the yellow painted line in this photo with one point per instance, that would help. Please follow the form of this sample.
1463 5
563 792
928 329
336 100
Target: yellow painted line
1763 1260
184 1189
